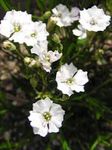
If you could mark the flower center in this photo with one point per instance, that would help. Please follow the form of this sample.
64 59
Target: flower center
59 14
70 81
33 34
47 57
47 116
92 22
17 28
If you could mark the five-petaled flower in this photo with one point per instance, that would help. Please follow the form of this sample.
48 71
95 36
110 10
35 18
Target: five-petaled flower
63 16
70 79
13 23
94 19
46 117
35 32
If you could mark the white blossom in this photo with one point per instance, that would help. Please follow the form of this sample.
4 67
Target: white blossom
70 79
12 25
35 32
46 58
94 19
63 16
80 32
46 117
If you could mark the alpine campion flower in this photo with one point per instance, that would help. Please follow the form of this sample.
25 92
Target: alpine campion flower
94 19
12 25
70 79
35 32
63 17
46 58
80 32
46 117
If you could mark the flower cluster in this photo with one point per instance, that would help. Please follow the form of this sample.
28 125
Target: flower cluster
18 26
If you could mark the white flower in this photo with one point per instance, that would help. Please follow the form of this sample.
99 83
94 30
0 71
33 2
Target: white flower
46 58
63 17
94 19
70 79
80 32
46 117
13 23
35 32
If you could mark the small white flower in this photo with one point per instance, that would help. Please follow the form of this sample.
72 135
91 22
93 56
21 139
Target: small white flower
12 25
80 32
63 17
46 117
70 79
94 19
46 58
35 32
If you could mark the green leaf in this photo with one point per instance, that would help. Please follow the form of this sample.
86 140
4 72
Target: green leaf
5 5
65 145
33 82
41 4
2 95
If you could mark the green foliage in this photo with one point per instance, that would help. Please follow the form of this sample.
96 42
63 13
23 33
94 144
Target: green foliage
6 5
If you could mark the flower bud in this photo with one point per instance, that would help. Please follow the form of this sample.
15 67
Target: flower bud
61 32
46 15
27 60
9 45
50 25
32 63
55 38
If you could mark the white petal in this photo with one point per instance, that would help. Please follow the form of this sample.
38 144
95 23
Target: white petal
81 77
74 14
56 109
65 89
36 119
57 120
36 50
68 70
77 88
83 36
6 28
43 131
53 128
44 105
77 32
18 37
35 130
